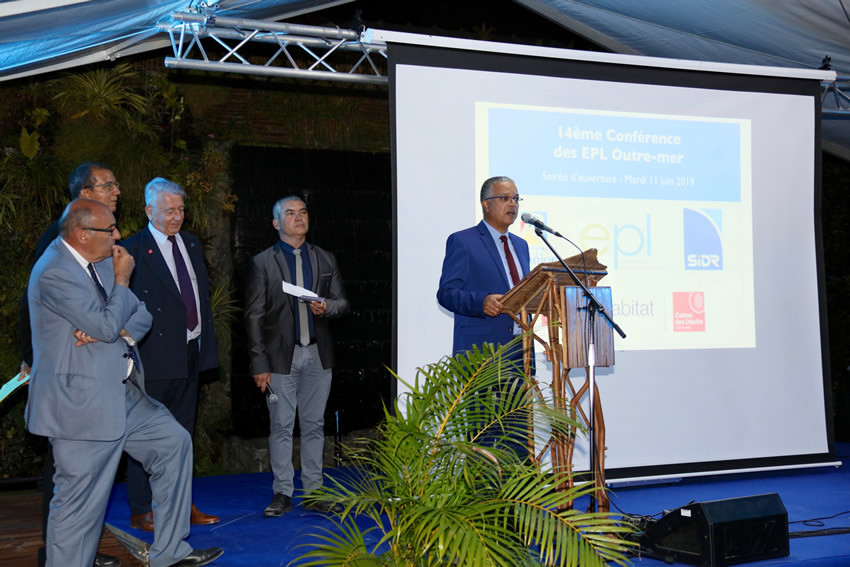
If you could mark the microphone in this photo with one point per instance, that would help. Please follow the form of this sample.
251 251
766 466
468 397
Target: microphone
528 218
271 397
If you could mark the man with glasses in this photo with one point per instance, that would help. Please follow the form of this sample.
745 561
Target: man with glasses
483 263
87 393
89 180
172 280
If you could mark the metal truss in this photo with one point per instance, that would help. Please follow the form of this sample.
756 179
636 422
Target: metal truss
837 93
331 54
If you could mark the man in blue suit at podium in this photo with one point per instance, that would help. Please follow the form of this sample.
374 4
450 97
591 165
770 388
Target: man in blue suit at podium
483 263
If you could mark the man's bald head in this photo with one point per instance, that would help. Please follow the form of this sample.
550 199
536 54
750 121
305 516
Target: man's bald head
77 214
88 226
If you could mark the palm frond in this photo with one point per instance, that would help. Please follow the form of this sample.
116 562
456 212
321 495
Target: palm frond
344 546
224 309
443 484
108 93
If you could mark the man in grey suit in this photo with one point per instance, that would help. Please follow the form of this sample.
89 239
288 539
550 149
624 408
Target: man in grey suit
87 393
290 343
89 180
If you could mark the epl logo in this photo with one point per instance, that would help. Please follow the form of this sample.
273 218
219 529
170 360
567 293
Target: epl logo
703 245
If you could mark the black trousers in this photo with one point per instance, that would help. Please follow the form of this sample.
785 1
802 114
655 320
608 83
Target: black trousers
181 399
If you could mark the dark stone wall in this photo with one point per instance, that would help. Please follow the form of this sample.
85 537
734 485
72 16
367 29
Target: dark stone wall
348 195
287 114
835 223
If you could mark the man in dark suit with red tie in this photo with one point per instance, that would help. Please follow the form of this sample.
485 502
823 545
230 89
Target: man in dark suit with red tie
483 263
172 280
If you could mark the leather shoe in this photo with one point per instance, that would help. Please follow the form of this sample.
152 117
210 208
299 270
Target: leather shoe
323 507
198 518
142 522
104 560
199 557
281 504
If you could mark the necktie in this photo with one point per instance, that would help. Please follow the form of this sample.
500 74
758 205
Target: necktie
303 321
186 290
131 352
510 257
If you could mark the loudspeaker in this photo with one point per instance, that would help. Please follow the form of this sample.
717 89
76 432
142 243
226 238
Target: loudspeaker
721 532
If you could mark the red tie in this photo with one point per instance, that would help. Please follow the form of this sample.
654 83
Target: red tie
510 257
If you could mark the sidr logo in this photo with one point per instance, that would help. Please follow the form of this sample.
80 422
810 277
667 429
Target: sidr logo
703 245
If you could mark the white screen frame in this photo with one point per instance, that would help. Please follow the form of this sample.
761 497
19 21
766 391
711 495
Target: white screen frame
674 434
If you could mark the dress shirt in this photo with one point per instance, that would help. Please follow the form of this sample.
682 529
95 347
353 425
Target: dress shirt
496 235
166 249
84 264
497 240
307 270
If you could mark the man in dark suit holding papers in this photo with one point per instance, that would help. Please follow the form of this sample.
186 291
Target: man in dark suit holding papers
290 344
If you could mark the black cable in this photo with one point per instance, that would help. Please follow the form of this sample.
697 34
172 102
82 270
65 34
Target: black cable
583 261
641 516
817 521
816 533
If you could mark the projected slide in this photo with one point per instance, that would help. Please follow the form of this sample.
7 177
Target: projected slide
666 200
698 188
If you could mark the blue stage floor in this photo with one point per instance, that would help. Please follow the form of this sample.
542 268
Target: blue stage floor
250 540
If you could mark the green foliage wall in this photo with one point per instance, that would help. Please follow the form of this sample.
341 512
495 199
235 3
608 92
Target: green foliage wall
117 114
145 122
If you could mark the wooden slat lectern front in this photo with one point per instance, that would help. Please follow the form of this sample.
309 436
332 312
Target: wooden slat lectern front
549 291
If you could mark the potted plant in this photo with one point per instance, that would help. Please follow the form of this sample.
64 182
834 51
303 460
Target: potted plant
443 485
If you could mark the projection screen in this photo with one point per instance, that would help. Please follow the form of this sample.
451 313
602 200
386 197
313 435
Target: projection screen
699 186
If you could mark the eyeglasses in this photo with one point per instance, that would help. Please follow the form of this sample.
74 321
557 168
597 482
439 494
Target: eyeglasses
110 186
109 229
504 198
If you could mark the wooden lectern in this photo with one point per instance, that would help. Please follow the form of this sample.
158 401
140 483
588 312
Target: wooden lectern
549 291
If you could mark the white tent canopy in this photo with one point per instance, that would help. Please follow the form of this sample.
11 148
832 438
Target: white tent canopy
789 33
38 36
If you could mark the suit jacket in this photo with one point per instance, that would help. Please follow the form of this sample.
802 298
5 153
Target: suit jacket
270 313
472 270
163 350
78 392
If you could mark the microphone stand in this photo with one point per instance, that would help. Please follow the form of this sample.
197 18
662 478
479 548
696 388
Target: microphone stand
593 306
